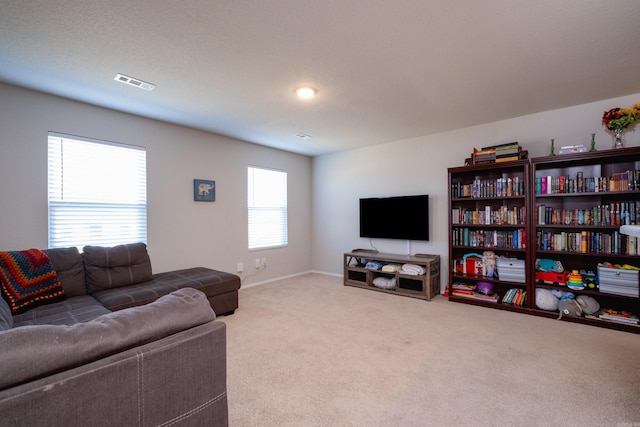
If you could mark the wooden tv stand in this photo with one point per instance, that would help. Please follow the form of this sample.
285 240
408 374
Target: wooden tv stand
425 286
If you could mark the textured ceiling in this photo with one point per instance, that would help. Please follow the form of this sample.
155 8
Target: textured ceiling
384 70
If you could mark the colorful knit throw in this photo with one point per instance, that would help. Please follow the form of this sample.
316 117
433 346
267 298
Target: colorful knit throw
28 279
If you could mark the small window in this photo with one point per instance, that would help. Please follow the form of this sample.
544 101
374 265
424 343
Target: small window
267 208
97 192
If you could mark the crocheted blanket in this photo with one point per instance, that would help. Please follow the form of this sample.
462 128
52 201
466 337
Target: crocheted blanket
28 279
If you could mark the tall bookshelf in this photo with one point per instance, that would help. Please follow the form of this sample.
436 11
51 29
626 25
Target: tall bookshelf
580 201
489 207
574 205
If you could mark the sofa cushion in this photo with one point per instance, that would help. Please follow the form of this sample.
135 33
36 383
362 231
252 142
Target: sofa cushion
70 268
28 279
68 312
37 351
211 282
113 267
6 318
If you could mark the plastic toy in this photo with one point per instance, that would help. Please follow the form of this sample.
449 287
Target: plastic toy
575 281
485 288
470 264
551 278
590 280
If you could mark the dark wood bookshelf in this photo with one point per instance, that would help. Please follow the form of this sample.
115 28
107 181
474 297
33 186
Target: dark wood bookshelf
606 170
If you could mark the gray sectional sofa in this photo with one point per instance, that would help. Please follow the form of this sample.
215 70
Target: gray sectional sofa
124 347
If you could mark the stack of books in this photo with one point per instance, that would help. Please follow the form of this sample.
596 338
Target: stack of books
507 152
618 316
486 155
498 153
462 289
469 291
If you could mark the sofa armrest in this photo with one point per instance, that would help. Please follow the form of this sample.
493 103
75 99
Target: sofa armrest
177 380
31 352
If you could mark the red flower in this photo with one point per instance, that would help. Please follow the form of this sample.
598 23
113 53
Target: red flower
617 118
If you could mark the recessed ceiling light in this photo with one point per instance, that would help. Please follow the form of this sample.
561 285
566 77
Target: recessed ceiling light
306 92
134 82
302 135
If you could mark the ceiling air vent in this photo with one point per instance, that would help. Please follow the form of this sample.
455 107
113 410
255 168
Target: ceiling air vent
134 82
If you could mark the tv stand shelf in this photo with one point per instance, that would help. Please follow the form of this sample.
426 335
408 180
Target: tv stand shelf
424 286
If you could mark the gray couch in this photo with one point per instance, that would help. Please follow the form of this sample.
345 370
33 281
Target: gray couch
125 347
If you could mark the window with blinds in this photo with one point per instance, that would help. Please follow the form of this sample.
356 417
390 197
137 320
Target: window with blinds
97 192
267 208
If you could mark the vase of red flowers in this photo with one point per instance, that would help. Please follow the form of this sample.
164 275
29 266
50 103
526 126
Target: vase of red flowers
617 120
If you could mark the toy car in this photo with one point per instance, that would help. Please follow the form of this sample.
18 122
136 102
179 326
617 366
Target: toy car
551 278
590 280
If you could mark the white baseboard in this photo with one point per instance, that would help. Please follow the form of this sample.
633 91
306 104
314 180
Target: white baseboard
275 279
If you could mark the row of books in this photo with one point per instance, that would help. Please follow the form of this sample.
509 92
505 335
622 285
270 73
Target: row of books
615 214
500 239
515 296
588 242
499 187
620 181
503 215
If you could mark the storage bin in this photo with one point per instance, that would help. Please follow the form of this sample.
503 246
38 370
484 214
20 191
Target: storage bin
510 263
517 278
620 290
619 281
511 270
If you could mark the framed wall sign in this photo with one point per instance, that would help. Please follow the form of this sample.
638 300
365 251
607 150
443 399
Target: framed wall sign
204 190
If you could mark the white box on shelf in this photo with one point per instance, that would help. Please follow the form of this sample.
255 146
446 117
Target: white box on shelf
619 281
513 263
618 276
620 290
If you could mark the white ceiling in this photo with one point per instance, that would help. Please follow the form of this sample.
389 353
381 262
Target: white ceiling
384 70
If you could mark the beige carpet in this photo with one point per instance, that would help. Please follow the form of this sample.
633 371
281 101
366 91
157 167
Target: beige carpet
308 351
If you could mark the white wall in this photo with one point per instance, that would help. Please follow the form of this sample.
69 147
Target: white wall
323 192
419 166
181 233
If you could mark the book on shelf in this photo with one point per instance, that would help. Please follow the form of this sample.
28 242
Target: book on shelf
482 297
463 292
507 158
455 215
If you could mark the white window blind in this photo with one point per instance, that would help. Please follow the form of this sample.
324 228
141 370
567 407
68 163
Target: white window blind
97 192
267 208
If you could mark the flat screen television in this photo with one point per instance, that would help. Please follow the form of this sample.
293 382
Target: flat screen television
400 217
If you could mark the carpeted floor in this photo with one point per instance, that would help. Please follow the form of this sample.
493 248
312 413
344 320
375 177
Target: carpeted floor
308 351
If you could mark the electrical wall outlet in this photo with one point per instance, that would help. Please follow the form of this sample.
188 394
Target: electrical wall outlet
257 263
240 268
